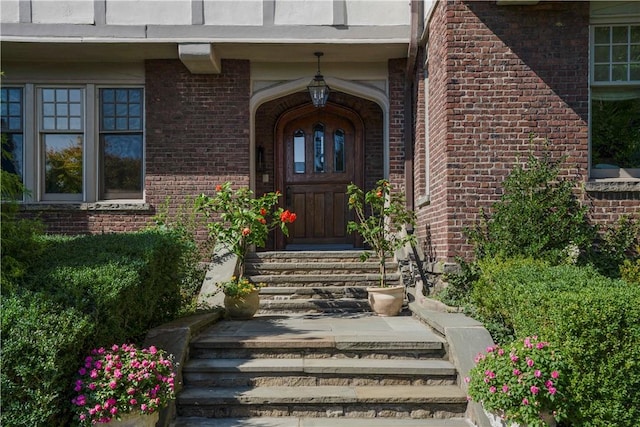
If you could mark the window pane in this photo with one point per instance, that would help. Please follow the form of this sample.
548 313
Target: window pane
601 54
49 109
63 163
122 164
620 34
619 72
635 34
615 132
619 53
602 35
318 148
49 123
298 152
122 104
635 53
338 151
601 73
48 95
75 123
11 111
61 95
62 109
75 95
13 161
635 72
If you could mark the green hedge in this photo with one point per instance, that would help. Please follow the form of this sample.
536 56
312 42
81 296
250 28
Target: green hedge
593 319
80 293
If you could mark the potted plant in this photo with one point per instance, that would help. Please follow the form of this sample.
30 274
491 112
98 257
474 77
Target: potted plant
522 384
243 221
381 218
123 386
241 297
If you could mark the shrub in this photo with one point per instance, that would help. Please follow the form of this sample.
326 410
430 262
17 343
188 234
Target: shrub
594 320
81 293
537 216
125 283
41 344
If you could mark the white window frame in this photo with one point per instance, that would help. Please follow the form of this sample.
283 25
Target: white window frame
627 85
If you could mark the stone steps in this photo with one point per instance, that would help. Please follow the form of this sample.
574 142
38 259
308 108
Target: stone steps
443 401
320 422
317 372
327 281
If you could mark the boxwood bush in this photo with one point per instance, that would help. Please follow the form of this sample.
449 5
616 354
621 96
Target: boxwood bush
593 319
80 293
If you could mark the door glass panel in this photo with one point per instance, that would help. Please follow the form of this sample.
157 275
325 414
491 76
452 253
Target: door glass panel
318 148
298 151
338 151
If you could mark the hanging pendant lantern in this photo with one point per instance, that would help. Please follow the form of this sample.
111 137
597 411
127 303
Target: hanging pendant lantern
318 88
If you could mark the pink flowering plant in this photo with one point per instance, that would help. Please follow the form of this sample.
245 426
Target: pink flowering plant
523 383
122 380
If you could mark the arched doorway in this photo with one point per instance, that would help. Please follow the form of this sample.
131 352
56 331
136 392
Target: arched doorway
319 152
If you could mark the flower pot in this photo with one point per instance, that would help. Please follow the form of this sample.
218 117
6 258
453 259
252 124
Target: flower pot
386 301
496 420
242 308
134 419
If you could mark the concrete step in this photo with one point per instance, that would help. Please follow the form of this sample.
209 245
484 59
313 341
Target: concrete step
312 292
317 372
319 281
319 422
301 256
314 305
314 267
340 401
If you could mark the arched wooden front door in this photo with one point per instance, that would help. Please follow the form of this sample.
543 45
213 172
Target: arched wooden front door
320 151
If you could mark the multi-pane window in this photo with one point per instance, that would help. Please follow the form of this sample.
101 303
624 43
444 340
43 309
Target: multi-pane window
72 143
121 113
615 101
62 141
338 151
12 117
318 148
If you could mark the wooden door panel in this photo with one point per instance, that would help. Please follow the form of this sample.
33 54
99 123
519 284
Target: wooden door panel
321 153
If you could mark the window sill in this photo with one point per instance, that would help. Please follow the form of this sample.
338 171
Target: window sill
613 186
423 201
95 206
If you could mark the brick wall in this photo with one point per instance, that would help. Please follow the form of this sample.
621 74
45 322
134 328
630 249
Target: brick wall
197 135
497 74
397 88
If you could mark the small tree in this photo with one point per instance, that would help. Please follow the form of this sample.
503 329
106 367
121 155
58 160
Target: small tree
381 217
537 216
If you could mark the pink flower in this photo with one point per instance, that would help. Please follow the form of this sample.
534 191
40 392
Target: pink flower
530 362
516 372
548 384
82 371
505 388
467 380
534 389
500 352
552 390
514 358
113 385
492 389
525 401
537 373
555 374
490 349
153 350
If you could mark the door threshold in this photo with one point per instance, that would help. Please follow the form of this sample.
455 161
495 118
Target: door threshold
320 247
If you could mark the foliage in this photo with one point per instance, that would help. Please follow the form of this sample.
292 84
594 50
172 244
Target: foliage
42 342
122 380
595 320
520 381
630 271
537 216
185 225
239 287
381 217
615 244
19 236
244 220
80 293
459 284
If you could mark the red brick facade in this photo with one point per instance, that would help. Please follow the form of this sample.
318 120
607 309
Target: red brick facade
497 74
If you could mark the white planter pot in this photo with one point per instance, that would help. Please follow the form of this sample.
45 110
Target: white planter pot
134 420
496 421
386 301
